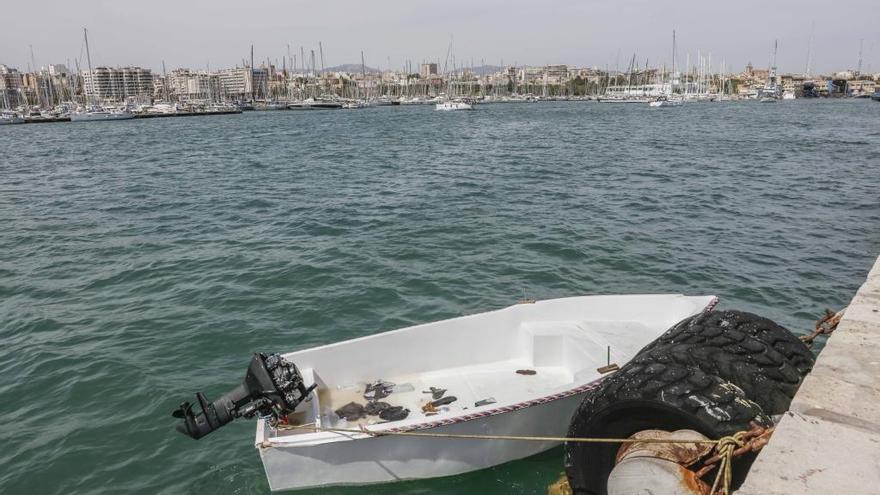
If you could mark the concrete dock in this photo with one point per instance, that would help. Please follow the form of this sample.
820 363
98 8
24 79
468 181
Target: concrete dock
829 441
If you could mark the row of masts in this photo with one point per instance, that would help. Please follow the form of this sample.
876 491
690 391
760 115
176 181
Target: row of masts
306 77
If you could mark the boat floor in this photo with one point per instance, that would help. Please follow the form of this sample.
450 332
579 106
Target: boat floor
497 382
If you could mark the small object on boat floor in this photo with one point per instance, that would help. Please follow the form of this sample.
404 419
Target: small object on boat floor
374 408
378 390
444 401
351 411
429 409
394 413
526 372
485 402
608 368
435 392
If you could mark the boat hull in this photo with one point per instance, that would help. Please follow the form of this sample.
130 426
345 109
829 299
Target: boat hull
87 117
394 458
453 107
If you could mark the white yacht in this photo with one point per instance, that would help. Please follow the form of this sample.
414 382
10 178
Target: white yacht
666 102
96 113
10 118
449 106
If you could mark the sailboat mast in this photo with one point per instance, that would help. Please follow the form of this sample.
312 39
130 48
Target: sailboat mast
808 68
165 81
89 60
858 69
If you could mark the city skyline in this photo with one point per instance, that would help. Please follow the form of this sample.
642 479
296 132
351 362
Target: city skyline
219 34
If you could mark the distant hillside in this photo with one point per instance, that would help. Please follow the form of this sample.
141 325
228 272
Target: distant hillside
351 68
481 70
484 70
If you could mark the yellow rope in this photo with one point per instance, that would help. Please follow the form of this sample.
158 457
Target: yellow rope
492 437
726 447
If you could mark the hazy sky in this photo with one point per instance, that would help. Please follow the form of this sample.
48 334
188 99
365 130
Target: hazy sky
218 33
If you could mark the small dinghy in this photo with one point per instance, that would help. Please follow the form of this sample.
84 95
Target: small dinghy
520 370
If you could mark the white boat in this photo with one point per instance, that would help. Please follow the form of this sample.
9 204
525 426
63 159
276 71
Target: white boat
770 92
788 95
98 114
10 118
666 102
448 106
315 104
521 370
625 99
94 112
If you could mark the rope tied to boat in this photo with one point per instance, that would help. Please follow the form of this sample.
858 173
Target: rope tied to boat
475 436
725 448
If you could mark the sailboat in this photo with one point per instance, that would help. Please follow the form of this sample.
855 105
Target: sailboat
667 100
94 112
770 92
448 104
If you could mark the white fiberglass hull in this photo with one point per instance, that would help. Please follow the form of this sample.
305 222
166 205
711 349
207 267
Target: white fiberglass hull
453 106
475 358
11 120
388 459
100 116
665 103
624 100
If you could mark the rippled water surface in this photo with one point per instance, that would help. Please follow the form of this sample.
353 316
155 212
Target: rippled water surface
141 261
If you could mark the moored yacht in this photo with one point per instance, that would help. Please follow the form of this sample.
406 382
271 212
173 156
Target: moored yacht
448 106
315 104
10 118
664 101
96 113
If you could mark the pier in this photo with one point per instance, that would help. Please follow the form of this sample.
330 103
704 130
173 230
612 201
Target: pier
829 441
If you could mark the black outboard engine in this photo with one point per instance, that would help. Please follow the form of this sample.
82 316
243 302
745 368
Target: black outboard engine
273 387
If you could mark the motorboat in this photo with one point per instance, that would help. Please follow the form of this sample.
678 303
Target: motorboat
448 106
520 370
666 102
788 95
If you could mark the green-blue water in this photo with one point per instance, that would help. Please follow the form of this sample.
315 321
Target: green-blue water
141 261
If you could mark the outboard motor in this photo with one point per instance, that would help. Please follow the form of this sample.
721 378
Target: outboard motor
272 386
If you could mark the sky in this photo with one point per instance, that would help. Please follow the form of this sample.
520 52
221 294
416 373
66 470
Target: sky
213 34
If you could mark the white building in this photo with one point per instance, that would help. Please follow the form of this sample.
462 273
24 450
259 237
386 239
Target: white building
243 83
11 84
189 85
118 83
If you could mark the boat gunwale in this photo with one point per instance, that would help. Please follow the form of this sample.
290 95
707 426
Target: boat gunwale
473 315
317 438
